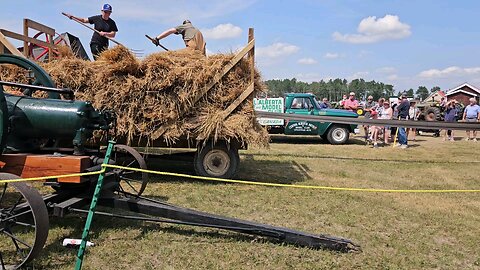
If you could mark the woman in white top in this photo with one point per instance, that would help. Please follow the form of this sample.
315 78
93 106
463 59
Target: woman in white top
413 113
386 113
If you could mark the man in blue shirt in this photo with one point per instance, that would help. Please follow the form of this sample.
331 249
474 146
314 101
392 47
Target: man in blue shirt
472 114
324 104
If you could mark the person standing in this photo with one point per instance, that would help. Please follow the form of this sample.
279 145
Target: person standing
369 107
403 109
413 113
386 113
450 116
192 37
106 27
471 114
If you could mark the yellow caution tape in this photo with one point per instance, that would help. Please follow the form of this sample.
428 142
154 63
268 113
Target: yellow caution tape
295 186
52 177
104 166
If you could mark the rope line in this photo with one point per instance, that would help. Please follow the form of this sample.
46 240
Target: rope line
244 182
296 186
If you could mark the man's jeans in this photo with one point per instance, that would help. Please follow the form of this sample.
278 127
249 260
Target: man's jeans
402 136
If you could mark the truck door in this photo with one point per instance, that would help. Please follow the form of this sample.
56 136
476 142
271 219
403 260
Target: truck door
304 106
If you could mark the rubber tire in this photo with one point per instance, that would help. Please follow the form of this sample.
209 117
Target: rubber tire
39 213
436 114
332 134
221 150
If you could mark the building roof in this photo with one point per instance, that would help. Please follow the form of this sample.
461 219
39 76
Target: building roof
455 90
461 91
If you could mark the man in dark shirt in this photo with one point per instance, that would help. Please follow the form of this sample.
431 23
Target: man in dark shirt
403 109
106 27
192 37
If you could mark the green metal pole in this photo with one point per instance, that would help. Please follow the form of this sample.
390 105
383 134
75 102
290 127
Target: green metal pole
91 211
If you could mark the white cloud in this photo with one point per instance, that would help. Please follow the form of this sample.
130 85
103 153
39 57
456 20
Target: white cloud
307 61
276 50
333 55
371 30
387 70
359 75
449 72
222 31
392 77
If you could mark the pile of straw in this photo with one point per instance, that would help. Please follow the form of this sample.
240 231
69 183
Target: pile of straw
159 92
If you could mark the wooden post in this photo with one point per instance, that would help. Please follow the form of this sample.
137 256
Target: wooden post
251 54
26 50
2 48
50 48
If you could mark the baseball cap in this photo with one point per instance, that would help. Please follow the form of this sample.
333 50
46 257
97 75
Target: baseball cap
352 94
107 7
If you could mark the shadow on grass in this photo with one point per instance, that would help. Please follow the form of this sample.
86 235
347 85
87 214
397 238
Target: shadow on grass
270 171
64 257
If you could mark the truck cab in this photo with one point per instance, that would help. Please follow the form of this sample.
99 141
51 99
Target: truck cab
307 104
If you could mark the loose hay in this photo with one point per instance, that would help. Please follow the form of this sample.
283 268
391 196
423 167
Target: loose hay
160 91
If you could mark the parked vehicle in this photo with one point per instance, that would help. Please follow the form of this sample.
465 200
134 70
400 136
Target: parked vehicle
305 104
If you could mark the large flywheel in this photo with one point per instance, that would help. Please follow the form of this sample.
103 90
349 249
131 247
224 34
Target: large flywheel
31 72
23 223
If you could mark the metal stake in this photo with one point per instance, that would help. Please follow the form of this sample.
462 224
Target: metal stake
91 211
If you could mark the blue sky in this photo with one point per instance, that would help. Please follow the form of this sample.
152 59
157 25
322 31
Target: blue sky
401 42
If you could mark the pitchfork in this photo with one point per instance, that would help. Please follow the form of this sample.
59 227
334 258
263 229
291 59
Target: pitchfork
137 53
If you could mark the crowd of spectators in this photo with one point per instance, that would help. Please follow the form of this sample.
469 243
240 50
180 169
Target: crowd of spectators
405 110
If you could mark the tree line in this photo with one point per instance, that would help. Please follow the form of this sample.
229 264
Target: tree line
334 89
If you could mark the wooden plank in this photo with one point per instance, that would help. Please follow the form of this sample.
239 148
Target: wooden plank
40 27
26 50
208 87
24 38
238 101
9 46
2 48
251 54
28 166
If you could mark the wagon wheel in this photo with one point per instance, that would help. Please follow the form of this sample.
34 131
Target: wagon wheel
23 223
129 181
44 50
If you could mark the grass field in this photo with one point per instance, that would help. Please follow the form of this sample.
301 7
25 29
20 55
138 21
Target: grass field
396 231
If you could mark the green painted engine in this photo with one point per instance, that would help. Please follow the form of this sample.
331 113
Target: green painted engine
32 123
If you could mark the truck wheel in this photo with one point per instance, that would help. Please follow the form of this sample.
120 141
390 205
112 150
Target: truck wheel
216 160
338 134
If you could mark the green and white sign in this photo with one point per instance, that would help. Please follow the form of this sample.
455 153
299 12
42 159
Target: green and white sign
275 105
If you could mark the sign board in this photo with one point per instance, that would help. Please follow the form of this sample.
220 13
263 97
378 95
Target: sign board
275 105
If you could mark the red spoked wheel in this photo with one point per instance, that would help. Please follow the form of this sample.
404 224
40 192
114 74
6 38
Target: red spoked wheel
38 51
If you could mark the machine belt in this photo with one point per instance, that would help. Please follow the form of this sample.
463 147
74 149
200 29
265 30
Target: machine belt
376 122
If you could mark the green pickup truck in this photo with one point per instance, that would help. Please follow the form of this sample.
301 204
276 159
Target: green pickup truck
305 104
